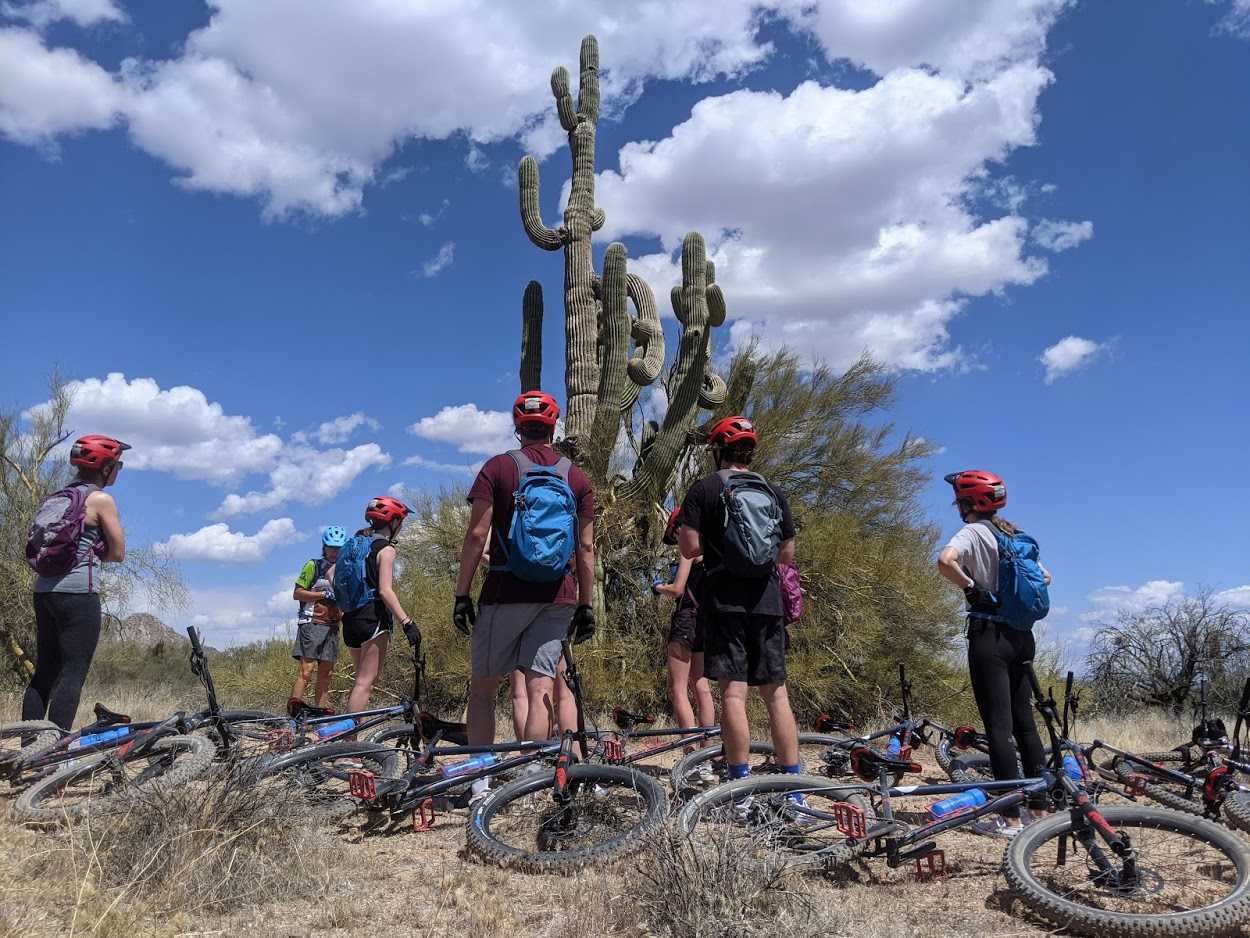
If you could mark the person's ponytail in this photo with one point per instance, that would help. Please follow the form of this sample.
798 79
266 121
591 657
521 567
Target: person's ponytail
1004 525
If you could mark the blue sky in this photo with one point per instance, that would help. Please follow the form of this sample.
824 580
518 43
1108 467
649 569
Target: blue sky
271 217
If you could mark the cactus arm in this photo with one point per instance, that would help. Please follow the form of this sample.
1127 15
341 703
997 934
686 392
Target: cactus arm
588 89
715 305
548 239
564 103
648 335
712 392
532 337
597 219
614 336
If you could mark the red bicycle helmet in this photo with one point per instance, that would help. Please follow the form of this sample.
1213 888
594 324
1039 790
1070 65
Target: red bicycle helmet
535 407
670 529
983 490
95 451
386 509
731 431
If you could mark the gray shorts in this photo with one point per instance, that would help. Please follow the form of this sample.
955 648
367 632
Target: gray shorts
508 636
317 640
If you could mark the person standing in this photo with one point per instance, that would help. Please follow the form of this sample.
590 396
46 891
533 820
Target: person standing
745 640
526 609
67 589
999 651
317 630
686 637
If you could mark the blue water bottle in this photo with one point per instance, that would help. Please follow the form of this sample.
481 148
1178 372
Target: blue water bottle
964 801
325 730
82 742
1072 768
894 747
453 769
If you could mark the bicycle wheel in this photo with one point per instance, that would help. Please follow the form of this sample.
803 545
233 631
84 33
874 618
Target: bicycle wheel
1191 880
250 731
1169 794
320 774
1237 810
689 774
793 816
26 740
104 782
607 812
944 754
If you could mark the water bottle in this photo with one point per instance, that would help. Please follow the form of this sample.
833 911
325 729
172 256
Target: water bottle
333 729
1072 767
964 801
894 747
453 769
82 742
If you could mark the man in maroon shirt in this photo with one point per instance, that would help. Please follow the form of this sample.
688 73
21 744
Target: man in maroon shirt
521 623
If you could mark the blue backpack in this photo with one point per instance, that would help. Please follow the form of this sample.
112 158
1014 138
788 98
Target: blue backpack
543 533
351 586
1022 594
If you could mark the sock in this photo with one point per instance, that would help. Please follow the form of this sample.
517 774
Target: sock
796 769
738 769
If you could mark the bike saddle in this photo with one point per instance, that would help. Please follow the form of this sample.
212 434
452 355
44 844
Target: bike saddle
867 763
626 720
452 732
298 710
106 716
828 724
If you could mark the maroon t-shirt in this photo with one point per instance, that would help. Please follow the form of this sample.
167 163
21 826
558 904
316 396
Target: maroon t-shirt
496 484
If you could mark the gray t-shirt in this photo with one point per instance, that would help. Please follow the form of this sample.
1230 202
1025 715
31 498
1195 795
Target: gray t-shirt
978 554
84 577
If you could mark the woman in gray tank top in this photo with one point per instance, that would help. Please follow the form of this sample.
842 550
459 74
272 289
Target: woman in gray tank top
67 607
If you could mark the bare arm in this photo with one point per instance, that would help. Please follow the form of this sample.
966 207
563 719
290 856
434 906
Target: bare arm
585 562
689 542
678 586
786 554
1045 574
302 595
110 525
474 544
950 568
386 583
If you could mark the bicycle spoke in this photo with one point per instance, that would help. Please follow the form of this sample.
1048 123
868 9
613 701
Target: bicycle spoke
591 815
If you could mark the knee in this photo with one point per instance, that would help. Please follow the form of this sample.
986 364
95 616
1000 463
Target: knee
482 692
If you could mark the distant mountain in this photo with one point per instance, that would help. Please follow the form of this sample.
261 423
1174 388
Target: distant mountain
141 628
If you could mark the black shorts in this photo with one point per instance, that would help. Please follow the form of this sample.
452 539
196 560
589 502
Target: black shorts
687 629
741 646
356 632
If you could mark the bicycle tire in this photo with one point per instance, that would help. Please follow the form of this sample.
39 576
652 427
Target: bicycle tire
1165 797
190 757
255 727
943 754
976 767
310 773
46 735
840 853
483 837
681 775
1236 810
1223 917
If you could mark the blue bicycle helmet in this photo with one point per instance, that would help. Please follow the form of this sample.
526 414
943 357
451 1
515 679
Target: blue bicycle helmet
334 536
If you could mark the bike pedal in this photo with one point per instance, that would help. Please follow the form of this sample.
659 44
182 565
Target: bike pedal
850 819
935 861
423 816
363 785
1136 784
613 751
280 740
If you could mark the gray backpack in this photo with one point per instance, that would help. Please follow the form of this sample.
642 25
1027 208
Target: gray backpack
752 525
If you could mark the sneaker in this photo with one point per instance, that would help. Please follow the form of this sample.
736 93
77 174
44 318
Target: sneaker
743 809
476 796
994 826
598 792
706 775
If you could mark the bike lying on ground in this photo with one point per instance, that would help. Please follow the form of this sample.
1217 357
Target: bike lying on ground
1114 871
1205 776
556 814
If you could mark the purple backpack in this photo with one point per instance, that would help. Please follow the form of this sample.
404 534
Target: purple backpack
791 592
52 544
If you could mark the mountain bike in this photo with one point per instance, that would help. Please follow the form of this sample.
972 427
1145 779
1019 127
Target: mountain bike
1207 775
557 814
1106 871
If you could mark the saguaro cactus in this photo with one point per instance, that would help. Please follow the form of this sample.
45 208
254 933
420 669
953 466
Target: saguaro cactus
602 379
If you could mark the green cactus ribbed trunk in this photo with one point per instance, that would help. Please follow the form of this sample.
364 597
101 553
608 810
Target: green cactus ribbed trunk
532 337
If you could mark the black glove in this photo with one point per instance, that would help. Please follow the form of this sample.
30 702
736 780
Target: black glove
583 625
980 600
412 633
463 615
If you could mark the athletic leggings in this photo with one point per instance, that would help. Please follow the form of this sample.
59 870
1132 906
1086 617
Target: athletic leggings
68 631
997 656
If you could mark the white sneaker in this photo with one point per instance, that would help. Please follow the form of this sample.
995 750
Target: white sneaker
994 826
479 790
742 808
706 775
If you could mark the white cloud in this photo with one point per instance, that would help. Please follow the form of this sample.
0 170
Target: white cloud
1238 596
1070 354
1236 21
41 13
483 432
307 475
435 265
420 462
218 543
340 429
176 430
1109 600
429 218
476 160
46 92
1061 235
841 223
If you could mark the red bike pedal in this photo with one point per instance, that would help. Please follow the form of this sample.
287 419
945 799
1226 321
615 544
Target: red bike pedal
1136 784
613 751
423 816
936 863
849 819
280 740
363 784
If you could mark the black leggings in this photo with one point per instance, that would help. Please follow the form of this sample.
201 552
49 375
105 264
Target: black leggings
68 631
997 656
